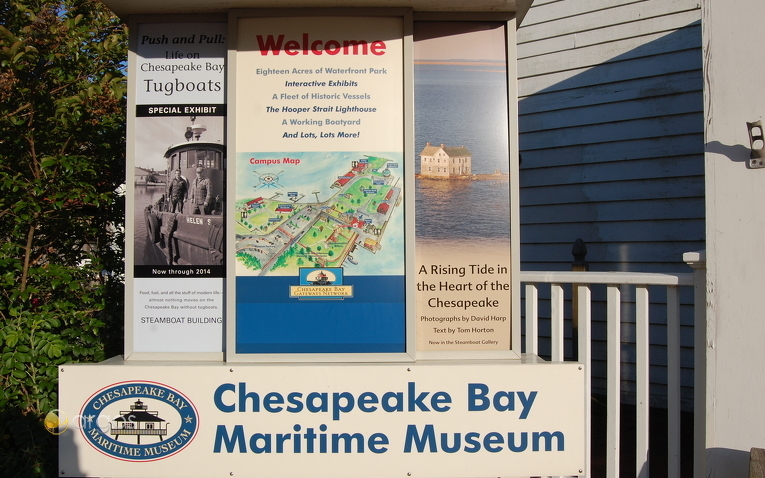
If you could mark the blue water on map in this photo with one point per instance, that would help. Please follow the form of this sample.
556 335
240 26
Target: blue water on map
462 106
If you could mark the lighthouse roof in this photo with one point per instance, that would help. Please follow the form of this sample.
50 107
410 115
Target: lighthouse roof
451 151
138 416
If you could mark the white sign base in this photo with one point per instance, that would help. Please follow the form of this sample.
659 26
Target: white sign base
484 419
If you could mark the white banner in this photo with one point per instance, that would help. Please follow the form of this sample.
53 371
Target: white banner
180 63
425 420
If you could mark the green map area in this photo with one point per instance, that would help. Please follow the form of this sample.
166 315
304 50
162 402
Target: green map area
281 233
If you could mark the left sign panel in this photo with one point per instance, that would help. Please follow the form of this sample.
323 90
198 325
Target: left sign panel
178 187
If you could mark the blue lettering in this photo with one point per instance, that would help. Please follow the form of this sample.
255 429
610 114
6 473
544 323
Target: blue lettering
537 436
244 396
296 405
271 399
517 448
472 440
439 398
509 406
376 441
417 402
445 443
367 400
477 393
337 408
222 439
398 396
428 436
492 439
322 402
526 402
218 397
266 448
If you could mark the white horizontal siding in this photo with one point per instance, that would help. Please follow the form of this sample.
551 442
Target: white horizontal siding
535 27
611 138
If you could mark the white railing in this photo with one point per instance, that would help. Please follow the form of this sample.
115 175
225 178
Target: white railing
616 282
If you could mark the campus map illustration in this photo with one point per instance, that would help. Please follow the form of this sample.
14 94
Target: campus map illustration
315 210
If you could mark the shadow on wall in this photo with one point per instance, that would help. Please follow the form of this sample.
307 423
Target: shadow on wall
727 462
737 153
613 154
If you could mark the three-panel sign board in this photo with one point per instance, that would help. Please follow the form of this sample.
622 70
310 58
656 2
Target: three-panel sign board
322 258
322 188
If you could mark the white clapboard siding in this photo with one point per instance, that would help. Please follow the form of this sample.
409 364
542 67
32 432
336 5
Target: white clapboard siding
636 28
611 139
536 29
626 90
609 73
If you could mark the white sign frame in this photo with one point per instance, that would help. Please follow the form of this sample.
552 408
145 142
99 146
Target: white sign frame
405 15
132 351
209 407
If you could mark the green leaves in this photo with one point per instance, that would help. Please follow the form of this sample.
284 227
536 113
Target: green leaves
62 117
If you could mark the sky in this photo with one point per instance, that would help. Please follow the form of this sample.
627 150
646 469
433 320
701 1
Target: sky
449 41
154 135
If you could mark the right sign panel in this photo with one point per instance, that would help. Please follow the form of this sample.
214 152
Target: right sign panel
462 187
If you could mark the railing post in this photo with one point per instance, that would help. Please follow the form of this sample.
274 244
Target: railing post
698 261
673 381
584 357
579 251
613 379
532 319
556 323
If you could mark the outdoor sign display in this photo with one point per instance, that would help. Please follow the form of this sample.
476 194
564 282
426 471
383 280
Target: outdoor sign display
462 187
319 182
364 219
178 165
384 420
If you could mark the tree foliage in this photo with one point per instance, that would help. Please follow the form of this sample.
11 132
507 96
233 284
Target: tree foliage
62 102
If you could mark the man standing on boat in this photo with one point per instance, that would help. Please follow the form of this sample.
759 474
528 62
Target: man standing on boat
201 193
178 189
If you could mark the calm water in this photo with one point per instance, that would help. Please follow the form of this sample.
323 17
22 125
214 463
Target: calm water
459 106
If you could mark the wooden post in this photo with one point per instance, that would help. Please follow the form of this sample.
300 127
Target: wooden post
579 251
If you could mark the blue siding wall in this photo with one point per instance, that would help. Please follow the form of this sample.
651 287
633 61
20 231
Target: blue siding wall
611 136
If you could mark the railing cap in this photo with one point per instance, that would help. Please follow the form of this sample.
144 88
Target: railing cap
695 259
613 278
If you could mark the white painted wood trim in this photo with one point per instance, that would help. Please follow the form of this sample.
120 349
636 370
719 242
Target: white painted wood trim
556 325
613 379
532 319
673 381
634 278
643 380
584 314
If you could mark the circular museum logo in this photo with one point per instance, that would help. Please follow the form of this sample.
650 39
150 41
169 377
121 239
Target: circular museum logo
139 421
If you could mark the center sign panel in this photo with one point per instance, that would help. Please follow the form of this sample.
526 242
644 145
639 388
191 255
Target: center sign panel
319 181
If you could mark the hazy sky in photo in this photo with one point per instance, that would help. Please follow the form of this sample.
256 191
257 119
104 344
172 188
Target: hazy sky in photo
449 41
153 135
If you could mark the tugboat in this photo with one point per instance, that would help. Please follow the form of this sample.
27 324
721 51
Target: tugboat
186 223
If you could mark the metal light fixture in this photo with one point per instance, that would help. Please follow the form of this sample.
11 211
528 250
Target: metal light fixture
756 144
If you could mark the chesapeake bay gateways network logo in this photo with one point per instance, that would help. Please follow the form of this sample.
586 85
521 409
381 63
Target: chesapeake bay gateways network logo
321 283
139 421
